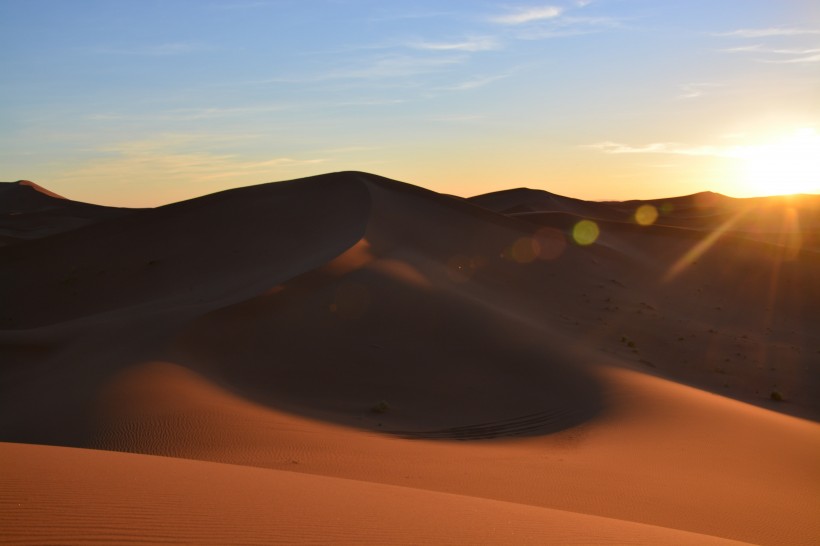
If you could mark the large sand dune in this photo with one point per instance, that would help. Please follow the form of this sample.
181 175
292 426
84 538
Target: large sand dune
348 358
28 211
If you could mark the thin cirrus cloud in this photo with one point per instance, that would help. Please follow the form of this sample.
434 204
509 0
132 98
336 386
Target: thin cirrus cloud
179 166
766 32
780 55
696 90
528 15
782 51
672 148
795 60
395 67
471 45
775 55
567 25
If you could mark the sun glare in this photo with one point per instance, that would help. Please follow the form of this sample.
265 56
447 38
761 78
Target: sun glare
788 165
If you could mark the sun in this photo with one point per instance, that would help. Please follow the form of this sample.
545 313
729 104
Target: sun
790 164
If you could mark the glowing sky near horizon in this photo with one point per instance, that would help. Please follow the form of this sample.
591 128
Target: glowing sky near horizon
147 102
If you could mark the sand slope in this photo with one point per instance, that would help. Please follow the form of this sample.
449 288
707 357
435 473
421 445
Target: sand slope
255 506
29 211
387 364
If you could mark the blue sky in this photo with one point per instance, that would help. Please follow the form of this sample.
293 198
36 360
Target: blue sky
146 102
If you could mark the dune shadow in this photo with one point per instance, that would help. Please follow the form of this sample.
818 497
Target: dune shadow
369 351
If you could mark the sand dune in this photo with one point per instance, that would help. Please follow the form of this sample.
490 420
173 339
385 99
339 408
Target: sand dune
29 211
381 363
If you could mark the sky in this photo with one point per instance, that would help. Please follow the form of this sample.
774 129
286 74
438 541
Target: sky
142 103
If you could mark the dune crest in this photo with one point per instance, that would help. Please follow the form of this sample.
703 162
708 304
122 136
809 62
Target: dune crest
29 212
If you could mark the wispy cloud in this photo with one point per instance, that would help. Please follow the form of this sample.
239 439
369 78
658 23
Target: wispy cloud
179 166
484 43
175 143
396 66
696 90
758 48
566 25
744 49
766 32
803 59
781 55
673 148
528 15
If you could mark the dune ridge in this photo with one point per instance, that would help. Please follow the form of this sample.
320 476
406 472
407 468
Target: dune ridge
465 359
29 211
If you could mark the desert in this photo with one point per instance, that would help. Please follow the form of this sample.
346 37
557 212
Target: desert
347 358
362 272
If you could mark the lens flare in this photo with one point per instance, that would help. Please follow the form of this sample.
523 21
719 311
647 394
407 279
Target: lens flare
693 254
551 243
524 250
646 215
585 232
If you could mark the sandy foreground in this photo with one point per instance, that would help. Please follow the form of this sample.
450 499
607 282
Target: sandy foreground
351 359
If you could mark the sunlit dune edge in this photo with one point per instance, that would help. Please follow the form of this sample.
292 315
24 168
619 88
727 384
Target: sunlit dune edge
376 362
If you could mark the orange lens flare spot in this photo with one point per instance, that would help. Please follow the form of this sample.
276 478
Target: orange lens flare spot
524 250
545 244
585 232
551 243
646 215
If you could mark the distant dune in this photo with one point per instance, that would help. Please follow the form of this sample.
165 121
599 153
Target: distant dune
28 211
351 359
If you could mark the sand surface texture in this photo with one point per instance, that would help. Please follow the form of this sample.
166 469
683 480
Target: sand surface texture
351 359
